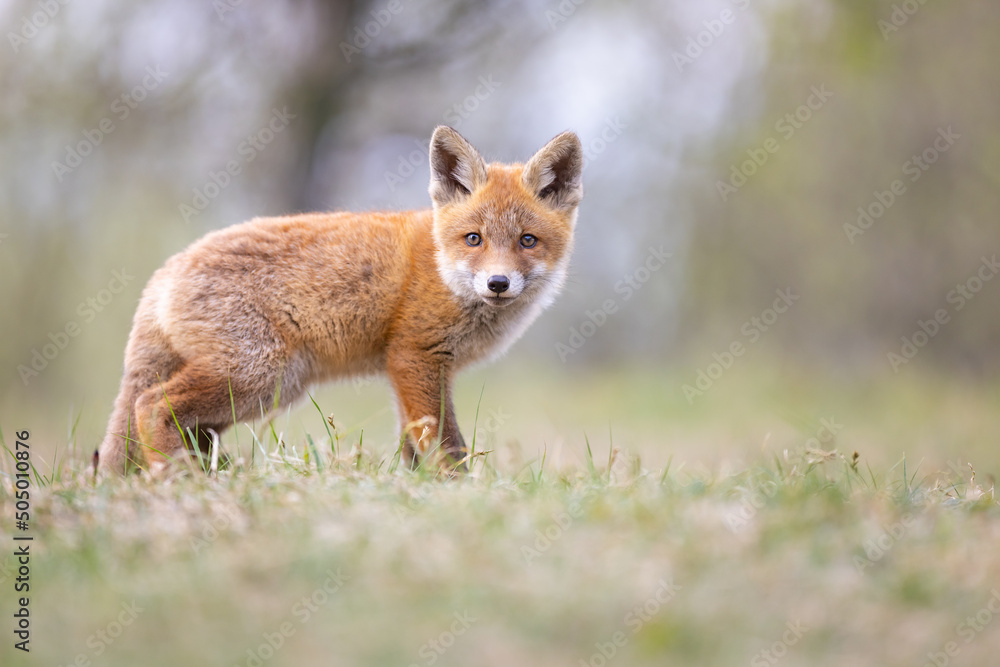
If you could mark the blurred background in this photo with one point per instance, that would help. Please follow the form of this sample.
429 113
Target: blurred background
823 174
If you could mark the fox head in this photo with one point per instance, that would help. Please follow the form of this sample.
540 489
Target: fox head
504 232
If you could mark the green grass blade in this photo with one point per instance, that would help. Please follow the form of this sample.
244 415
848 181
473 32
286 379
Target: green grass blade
475 427
326 425
315 453
590 457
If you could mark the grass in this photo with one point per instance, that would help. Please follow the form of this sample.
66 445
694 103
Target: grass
325 551
544 566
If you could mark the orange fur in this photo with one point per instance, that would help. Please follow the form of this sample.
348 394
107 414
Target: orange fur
274 305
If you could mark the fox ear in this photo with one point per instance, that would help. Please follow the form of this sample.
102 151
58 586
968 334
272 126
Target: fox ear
457 168
554 172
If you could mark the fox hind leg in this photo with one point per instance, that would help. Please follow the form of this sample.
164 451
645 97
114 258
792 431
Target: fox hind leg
192 401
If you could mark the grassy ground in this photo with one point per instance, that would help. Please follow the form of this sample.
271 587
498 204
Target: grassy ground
767 547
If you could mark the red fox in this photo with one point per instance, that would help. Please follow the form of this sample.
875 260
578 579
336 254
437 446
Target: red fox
248 317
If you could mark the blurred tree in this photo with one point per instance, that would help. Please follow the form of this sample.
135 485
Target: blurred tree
911 103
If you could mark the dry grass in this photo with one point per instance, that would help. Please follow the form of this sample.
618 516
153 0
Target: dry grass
734 524
529 566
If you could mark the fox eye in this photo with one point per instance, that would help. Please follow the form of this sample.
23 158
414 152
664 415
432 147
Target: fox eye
473 239
528 241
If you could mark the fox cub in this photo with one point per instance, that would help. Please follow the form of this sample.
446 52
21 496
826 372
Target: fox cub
256 313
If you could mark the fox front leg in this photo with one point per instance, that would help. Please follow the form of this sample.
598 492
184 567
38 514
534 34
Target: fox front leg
423 391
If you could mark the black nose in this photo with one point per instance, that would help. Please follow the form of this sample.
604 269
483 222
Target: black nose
498 284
